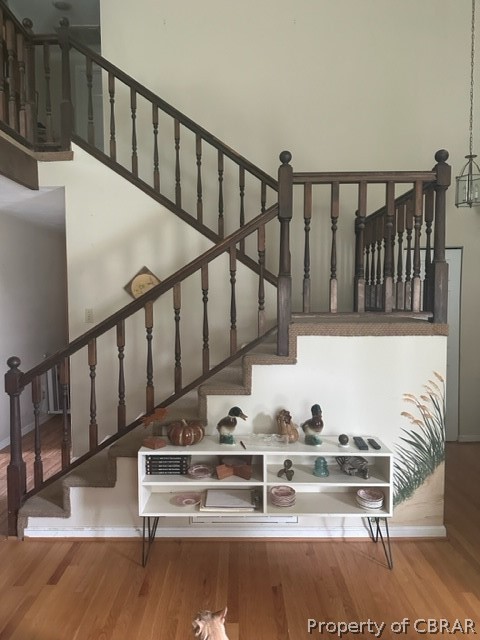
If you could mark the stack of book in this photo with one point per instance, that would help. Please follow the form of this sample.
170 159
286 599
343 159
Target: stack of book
166 465
231 500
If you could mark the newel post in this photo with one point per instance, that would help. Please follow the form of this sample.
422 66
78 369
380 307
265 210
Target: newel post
66 106
284 287
16 470
440 266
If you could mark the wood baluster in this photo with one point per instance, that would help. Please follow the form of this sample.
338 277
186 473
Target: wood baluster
400 286
66 106
178 186
233 300
263 197
121 410
90 121
156 167
30 73
368 243
373 227
417 223
177 303
16 470
36 400
206 348
359 280
387 302
21 55
427 288
408 261
221 221
111 95
241 183
334 211
64 379
48 94
150 390
11 75
133 108
261 279
393 247
378 283
261 249
307 217
198 153
92 363
3 97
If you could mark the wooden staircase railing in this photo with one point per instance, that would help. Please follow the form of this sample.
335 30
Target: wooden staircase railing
49 90
219 193
195 274
383 279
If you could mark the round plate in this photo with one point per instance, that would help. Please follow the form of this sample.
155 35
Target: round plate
185 499
282 491
199 471
370 495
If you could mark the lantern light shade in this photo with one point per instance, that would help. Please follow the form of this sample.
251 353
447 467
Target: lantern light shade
467 193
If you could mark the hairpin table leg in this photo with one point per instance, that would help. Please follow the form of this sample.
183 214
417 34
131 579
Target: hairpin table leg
148 536
384 540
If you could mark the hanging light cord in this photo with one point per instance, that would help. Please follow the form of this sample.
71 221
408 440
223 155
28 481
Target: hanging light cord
472 64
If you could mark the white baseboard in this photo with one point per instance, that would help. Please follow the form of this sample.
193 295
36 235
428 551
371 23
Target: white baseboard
247 531
469 438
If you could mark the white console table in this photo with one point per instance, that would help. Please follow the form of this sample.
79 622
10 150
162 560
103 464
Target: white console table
331 496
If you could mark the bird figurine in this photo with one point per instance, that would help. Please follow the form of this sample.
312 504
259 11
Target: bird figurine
226 425
313 427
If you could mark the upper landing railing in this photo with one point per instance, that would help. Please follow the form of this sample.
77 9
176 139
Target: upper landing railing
389 273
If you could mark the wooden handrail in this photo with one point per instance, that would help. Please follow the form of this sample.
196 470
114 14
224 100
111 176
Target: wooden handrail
356 177
399 200
174 113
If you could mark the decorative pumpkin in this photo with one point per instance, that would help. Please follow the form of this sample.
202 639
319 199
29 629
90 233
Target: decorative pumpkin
182 433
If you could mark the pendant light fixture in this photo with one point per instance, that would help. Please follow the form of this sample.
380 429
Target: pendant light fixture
467 193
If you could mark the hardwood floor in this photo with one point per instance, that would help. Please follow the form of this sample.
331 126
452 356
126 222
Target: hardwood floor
98 590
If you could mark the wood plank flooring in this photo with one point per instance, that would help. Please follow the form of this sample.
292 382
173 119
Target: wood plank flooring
98 590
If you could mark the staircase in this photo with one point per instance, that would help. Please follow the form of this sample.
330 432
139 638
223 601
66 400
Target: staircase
250 219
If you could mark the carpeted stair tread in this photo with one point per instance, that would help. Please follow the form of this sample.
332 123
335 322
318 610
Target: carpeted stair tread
98 471
48 502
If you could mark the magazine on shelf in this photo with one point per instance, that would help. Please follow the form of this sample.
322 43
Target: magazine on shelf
239 500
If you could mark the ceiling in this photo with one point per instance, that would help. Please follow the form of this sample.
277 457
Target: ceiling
45 206
46 16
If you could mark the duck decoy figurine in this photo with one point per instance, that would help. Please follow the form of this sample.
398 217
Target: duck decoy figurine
313 427
226 425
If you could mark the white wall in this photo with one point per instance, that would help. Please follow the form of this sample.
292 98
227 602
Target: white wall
32 290
344 85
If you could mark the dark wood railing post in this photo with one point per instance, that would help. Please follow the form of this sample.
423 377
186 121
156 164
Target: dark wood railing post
66 106
284 289
440 266
387 302
16 470
361 250
30 103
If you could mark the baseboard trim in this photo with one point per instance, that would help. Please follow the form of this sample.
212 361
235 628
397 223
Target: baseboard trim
232 532
469 438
